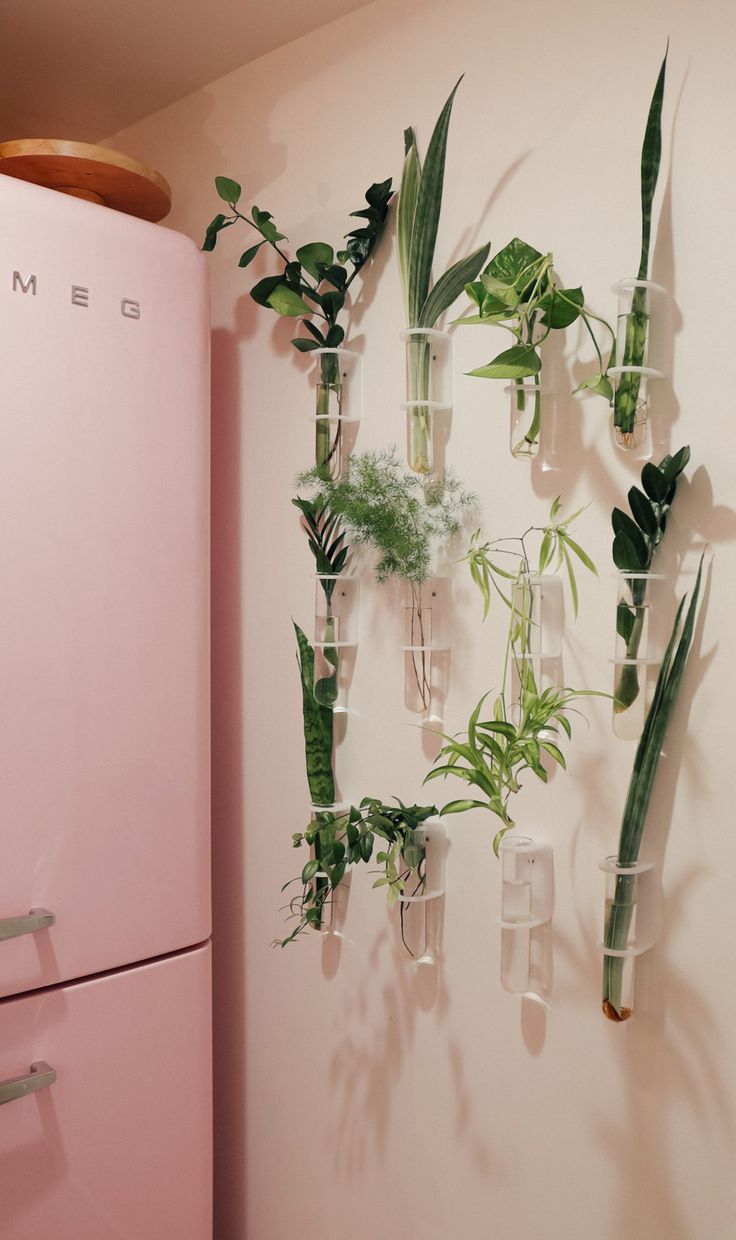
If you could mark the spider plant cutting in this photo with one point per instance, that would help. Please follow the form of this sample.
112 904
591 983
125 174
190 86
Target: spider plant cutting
327 543
620 912
418 215
524 725
312 286
633 326
518 290
635 544
403 518
340 840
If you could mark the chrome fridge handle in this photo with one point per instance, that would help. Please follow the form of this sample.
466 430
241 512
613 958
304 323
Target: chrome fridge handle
39 1077
35 919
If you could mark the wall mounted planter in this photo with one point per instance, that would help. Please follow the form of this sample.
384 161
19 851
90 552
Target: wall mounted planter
339 401
525 399
527 899
638 357
330 918
424 885
428 390
426 614
336 615
628 931
638 651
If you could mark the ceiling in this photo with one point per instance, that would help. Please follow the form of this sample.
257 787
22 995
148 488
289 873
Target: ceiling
84 69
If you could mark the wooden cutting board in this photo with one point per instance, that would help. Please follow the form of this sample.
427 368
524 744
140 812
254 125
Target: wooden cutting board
91 172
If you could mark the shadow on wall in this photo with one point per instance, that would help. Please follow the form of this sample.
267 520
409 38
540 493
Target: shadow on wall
227 792
374 1052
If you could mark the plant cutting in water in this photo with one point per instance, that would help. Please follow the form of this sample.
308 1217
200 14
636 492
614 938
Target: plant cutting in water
636 539
627 399
327 544
418 215
318 735
402 517
312 286
521 727
348 838
518 290
621 910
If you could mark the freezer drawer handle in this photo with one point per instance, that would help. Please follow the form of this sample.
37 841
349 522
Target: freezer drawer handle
36 919
40 1076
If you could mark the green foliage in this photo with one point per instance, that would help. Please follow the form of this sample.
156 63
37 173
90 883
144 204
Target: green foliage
557 548
637 538
494 753
635 542
326 540
318 729
518 290
420 203
349 838
386 507
639 796
626 400
314 284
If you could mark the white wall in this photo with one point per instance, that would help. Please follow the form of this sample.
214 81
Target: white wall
377 1100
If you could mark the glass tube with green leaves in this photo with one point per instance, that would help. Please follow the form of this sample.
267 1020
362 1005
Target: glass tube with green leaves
622 906
513 736
312 286
635 544
631 351
518 290
420 202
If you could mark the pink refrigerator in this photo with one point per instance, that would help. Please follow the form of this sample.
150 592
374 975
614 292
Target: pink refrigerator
105 1027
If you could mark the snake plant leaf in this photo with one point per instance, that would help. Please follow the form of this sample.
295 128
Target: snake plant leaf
427 214
651 154
410 180
449 286
519 362
318 729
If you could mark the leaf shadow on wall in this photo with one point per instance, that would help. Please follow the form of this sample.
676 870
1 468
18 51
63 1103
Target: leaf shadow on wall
666 1056
227 789
375 1056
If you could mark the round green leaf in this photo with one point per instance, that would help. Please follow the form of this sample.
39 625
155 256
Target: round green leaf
286 302
228 190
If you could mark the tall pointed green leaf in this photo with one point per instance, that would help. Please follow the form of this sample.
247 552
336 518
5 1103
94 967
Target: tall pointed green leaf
651 153
427 215
451 285
410 181
318 725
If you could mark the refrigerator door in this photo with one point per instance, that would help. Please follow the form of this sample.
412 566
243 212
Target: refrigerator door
104 606
118 1147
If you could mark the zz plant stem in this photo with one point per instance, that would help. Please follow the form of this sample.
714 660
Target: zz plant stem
639 795
636 541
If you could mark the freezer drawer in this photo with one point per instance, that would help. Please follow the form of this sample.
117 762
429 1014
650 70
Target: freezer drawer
119 1146
104 588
